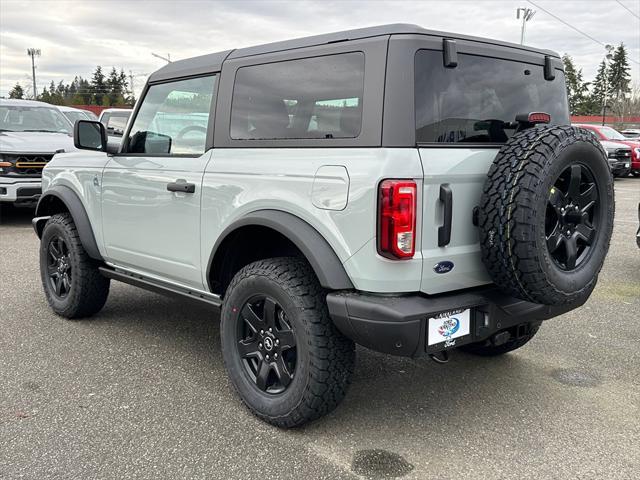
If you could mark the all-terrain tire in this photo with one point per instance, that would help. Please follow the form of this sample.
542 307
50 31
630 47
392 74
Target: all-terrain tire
526 175
488 349
325 357
88 289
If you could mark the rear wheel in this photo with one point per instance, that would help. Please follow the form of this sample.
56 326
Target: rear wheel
72 283
285 358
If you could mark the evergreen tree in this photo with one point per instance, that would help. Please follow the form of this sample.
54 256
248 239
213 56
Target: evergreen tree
98 85
17 92
577 89
600 88
124 84
84 91
619 78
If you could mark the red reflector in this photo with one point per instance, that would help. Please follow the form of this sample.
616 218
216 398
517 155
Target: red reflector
539 117
397 218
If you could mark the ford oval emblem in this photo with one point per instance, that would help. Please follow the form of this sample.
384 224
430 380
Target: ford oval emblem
443 267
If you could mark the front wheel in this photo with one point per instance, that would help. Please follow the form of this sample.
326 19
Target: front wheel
70 278
284 356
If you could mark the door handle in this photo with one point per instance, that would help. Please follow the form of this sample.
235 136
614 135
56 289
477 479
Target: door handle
181 186
444 232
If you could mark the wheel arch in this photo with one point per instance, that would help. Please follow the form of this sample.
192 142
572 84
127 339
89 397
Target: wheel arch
288 234
60 199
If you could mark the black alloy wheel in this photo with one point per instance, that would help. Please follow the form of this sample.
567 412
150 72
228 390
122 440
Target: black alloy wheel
571 217
266 344
59 267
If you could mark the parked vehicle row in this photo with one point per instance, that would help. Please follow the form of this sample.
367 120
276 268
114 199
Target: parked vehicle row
623 152
338 189
30 134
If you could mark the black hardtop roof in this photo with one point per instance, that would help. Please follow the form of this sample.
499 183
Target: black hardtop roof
213 62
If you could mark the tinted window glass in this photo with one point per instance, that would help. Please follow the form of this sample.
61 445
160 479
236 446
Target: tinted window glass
472 102
173 118
310 98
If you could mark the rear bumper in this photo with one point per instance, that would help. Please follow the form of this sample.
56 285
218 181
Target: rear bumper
398 324
20 191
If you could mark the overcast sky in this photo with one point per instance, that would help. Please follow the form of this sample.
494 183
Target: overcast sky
75 36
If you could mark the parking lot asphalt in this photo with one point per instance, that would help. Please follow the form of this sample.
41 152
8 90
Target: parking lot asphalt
139 392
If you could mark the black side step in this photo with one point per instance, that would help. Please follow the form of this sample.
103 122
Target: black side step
208 299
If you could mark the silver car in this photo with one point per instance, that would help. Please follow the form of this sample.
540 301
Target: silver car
30 134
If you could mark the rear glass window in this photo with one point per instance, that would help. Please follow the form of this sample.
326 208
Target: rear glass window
317 97
472 102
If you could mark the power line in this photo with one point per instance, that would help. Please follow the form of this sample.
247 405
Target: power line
574 28
627 9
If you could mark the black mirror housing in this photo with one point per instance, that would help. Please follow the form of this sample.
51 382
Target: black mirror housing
90 135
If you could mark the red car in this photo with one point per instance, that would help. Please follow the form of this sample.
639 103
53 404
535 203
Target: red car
608 133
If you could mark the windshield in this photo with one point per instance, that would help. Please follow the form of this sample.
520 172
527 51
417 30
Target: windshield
33 119
611 134
73 116
472 102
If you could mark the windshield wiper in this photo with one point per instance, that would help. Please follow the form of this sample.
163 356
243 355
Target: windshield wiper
6 130
43 130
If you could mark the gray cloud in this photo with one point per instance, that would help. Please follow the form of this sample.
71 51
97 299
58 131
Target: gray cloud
75 36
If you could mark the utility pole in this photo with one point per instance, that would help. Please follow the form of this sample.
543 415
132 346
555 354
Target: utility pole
34 52
526 14
166 59
607 58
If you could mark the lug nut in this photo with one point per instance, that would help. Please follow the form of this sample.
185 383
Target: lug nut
271 329
260 346
275 355
277 342
261 332
267 357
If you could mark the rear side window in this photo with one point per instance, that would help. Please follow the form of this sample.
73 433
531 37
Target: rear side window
317 97
473 102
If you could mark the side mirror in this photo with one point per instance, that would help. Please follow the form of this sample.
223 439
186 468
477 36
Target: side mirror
90 135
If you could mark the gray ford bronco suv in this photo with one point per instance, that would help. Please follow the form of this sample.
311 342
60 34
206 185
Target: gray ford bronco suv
407 190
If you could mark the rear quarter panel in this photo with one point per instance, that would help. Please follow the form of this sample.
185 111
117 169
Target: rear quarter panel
240 181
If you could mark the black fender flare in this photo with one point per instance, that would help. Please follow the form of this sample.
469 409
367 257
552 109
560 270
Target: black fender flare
320 255
76 209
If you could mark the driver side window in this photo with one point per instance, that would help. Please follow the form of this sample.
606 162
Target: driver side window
173 118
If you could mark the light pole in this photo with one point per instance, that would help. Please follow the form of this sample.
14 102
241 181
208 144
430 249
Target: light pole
33 52
526 14
166 59
607 58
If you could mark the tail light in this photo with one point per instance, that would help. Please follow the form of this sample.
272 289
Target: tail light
397 218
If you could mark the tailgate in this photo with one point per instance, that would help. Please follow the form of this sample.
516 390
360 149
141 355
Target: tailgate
463 172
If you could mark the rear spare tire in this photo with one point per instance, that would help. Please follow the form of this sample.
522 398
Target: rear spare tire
546 215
